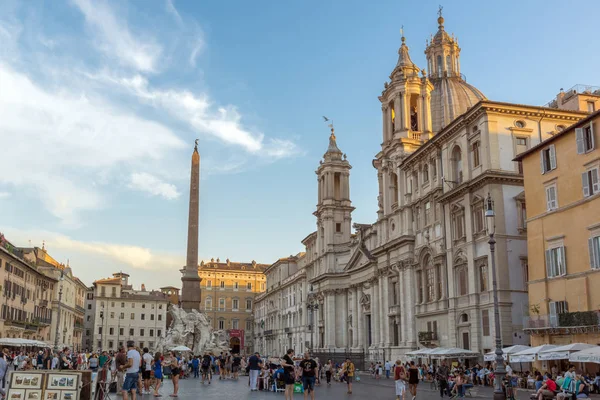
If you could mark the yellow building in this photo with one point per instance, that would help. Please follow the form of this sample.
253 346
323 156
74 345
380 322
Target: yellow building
563 235
228 292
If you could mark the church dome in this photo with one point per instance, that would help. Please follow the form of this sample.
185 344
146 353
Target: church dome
451 97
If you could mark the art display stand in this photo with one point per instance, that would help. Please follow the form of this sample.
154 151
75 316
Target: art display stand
49 385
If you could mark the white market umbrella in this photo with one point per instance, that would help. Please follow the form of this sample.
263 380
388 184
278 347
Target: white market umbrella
563 352
529 355
454 352
591 355
420 352
181 348
506 352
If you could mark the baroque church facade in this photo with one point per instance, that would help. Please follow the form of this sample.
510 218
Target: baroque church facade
419 276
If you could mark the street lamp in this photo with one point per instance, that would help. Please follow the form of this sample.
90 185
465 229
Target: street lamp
500 372
60 290
312 307
102 327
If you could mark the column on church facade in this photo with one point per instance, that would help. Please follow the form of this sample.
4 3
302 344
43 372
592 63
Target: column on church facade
405 111
382 312
420 114
330 325
399 114
411 335
401 300
343 296
427 114
409 221
375 310
387 204
385 308
384 123
347 185
360 318
354 317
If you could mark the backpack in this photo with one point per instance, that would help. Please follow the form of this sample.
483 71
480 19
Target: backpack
205 363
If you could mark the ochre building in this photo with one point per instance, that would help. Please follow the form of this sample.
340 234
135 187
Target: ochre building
228 292
562 190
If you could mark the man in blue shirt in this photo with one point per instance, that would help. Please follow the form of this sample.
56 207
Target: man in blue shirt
196 366
254 365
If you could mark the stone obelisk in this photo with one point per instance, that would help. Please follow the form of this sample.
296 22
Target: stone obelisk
190 281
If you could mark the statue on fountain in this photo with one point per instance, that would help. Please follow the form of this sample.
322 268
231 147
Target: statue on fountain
192 329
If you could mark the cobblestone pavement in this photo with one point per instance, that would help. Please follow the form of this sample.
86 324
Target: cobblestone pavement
367 388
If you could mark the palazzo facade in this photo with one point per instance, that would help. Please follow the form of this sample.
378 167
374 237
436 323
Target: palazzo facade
420 275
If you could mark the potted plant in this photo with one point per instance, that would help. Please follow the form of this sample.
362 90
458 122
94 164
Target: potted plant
535 309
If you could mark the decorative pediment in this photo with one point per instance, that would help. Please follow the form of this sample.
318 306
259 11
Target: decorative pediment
459 258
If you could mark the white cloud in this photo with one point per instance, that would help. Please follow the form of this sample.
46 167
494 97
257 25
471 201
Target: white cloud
71 136
4 195
115 39
198 112
149 183
173 11
134 256
196 50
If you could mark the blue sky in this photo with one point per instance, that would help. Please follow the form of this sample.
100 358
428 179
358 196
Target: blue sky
100 103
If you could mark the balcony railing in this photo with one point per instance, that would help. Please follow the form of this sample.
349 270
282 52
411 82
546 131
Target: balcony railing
427 336
287 330
564 320
269 332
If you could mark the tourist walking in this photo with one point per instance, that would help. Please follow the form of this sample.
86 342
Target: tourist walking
442 377
400 379
254 367
349 373
328 367
132 369
146 370
388 369
289 375
205 365
158 375
309 369
413 379
173 362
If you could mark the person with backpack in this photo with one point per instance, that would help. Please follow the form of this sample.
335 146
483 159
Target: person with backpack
235 366
205 365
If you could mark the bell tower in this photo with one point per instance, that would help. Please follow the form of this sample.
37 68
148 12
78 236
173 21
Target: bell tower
405 104
334 208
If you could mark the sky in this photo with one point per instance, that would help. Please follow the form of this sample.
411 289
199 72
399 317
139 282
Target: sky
101 101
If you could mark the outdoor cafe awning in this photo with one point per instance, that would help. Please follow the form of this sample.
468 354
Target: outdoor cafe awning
591 355
563 352
529 355
506 352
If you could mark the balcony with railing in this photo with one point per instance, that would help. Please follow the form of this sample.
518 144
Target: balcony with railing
578 319
427 336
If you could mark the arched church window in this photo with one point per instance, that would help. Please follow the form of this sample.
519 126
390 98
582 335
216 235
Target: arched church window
439 65
419 287
394 187
448 63
464 318
392 114
456 160
462 285
426 173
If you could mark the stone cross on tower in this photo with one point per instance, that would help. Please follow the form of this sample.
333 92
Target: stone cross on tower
190 281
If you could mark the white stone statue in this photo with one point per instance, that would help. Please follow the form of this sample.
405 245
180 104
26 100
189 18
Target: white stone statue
192 329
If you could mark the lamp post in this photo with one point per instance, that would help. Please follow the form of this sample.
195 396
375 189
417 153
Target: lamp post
500 372
60 290
312 307
102 327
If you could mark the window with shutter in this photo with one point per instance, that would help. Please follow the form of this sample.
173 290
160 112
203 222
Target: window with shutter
588 137
589 182
556 262
579 140
548 159
551 198
552 157
594 249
